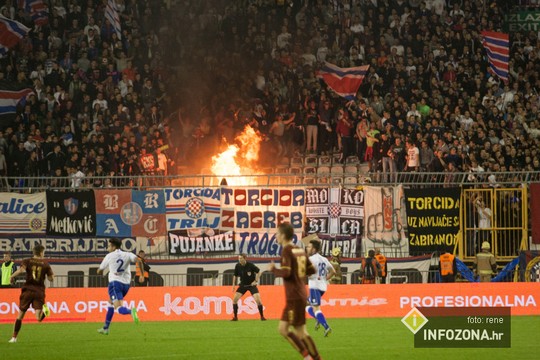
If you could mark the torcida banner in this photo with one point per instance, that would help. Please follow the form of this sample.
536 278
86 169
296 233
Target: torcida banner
215 302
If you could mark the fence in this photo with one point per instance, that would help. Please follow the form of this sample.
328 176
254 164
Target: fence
402 276
336 176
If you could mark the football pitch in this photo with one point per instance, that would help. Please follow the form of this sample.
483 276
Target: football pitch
380 338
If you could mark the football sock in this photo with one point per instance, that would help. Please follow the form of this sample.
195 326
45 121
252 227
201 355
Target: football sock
261 310
17 327
310 346
41 316
124 310
321 319
235 309
108 316
310 311
297 343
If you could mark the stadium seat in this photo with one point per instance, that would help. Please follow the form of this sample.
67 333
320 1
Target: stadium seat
295 170
95 280
323 173
310 160
267 278
325 160
353 159
336 158
350 180
337 180
195 276
75 279
297 161
228 277
337 170
309 180
281 169
351 169
155 279
355 277
310 170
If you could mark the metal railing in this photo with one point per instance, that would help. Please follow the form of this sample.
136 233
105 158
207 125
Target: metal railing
335 177
395 276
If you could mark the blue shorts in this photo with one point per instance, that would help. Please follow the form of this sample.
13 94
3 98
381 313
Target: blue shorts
117 290
315 296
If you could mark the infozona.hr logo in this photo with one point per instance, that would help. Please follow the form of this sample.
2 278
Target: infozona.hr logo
414 320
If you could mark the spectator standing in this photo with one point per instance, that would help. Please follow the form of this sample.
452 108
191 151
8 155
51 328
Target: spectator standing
381 259
413 157
371 269
8 268
142 270
447 267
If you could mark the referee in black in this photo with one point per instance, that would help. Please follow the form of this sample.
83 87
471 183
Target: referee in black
249 275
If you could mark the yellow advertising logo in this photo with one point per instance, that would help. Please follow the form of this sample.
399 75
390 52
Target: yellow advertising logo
414 320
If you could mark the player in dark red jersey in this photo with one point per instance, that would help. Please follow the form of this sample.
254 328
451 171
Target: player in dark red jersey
295 265
33 290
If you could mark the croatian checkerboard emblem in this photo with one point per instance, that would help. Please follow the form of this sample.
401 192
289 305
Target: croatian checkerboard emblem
194 208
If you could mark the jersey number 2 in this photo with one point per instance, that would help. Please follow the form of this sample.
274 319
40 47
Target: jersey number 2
121 266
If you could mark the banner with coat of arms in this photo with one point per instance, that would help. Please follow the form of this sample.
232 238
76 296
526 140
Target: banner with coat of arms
334 211
125 213
71 213
23 213
192 208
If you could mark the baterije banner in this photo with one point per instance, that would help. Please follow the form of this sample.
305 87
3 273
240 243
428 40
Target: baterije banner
71 213
334 211
22 246
125 213
432 219
23 213
192 208
384 214
182 303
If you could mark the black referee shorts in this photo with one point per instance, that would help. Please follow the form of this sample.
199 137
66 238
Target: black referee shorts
242 289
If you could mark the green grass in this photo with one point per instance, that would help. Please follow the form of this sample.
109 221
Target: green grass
247 339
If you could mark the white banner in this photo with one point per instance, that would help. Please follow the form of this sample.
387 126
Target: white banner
385 211
23 213
260 209
192 208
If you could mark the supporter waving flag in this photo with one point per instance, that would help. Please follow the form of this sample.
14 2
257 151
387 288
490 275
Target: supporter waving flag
111 14
498 51
38 10
10 99
11 33
344 81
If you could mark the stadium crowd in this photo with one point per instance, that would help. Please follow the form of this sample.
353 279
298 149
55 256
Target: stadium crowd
183 76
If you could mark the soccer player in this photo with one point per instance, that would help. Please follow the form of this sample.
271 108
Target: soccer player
118 262
295 265
33 290
249 275
318 284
